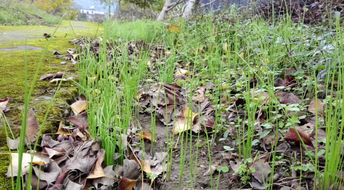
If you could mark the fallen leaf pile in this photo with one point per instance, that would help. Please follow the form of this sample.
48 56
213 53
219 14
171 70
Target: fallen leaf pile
168 102
72 160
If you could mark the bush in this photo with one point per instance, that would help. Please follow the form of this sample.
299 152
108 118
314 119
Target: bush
307 11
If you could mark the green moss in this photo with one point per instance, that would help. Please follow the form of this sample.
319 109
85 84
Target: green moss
5 182
54 110
67 93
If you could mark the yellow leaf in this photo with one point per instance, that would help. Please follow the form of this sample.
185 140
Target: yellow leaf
39 163
146 167
185 122
62 131
79 106
181 71
173 28
146 135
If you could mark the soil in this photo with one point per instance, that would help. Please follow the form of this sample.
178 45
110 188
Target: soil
199 177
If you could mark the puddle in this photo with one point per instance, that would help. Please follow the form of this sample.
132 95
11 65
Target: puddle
29 48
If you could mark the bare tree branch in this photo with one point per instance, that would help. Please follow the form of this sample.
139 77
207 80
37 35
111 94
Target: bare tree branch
207 4
172 5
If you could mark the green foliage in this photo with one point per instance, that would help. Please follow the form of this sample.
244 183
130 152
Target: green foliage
54 6
147 4
245 172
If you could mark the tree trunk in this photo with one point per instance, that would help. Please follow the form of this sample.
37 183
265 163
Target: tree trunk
164 10
109 7
190 5
118 9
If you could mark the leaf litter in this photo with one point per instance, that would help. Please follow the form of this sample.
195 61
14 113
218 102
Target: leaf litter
72 147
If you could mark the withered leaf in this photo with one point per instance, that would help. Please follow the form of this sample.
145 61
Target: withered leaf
98 171
13 167
143 186
127 184
49 173
59 181
73 186
62 131
79 120
297 135
52 152
288 98
146 166
173 28
146 135
131 169
316 107
84 157
55 52
185 121
262 170
32 127
79 106
51 76
3 104
36 183
13 144
106 182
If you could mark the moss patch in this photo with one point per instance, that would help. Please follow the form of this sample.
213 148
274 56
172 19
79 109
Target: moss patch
5 182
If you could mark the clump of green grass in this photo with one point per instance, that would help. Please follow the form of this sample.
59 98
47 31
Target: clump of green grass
136 30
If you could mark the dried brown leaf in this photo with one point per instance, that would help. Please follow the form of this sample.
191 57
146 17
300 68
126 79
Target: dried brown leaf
51 76
32 127
262 170
62 131
297 135
316 107
288 98
127 184
48 173
79 120
79 106
146 135
98 171
13 167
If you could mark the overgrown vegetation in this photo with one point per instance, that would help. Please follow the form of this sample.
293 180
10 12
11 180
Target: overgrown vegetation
216 102
276 92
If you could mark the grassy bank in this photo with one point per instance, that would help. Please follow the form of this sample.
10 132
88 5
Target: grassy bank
21 13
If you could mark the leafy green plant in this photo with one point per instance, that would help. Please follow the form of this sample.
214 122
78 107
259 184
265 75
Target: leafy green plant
245 172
